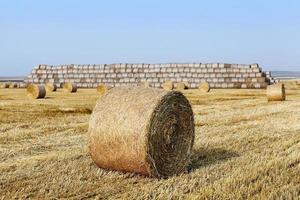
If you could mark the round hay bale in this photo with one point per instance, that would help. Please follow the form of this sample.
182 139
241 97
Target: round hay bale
13 85
70 87
50 87
148 131
298 82
102 89
4 85
168 85
204 87
144 84
36 91
276 92
181 86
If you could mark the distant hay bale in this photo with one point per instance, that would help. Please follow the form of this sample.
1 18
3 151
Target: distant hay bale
70 87
102 89
204 87
4 85
13 85
144 84
148 131
36 91
168 85
276 92
181 86
50 87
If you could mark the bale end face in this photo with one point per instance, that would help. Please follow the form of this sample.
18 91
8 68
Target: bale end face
276 92
102 89
168 85
204 87
36 91
70 87
150 132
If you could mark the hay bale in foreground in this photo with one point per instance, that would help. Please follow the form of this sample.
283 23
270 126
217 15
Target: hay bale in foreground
70 87
148 131
181 86
4 85
50 87
276 92
144 84
36 91
102 89
168 85
204 87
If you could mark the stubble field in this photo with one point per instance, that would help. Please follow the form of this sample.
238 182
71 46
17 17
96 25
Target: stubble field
245 148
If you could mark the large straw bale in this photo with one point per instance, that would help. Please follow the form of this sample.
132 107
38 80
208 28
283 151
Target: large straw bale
50 87
168 85
148 131
204 87
276 92
70 87
36 91
102 89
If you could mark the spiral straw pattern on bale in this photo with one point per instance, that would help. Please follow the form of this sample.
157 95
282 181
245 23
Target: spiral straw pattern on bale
50 87
168 85
204 87
276 92
102 89
181 86
36 91
147 131
70 87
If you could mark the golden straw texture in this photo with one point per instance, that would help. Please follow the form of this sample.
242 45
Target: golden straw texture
168 85
204 87
181 86
13 85
144 84
276 92
148 131
70 87
50 87
4 85
102 88
36 91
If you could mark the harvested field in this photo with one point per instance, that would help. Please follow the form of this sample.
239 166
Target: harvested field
245 148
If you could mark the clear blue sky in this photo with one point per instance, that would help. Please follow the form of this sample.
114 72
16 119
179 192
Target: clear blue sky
153 31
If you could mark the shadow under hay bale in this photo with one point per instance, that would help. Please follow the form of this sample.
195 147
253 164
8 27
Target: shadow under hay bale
36 91
168 85
50 87
204 87
276 92
70 87
150 132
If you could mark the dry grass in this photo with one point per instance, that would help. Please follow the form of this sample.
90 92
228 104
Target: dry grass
245 148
